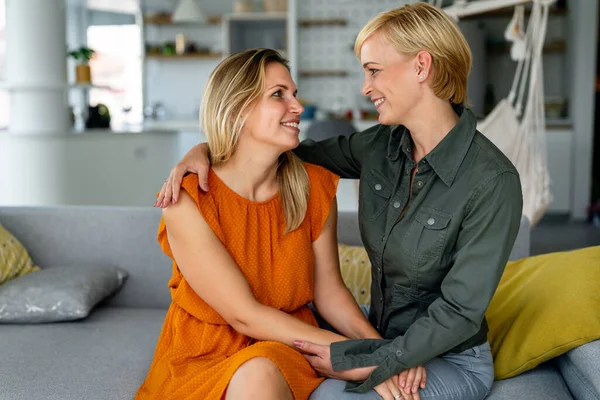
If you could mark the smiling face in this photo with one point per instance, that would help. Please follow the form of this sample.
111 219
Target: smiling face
393 80
274 117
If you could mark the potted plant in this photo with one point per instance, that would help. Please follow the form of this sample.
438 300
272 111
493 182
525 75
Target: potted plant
82 71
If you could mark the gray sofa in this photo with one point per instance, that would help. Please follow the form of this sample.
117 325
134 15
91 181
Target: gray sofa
107 355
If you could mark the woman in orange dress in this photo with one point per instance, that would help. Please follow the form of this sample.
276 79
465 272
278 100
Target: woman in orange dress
251 254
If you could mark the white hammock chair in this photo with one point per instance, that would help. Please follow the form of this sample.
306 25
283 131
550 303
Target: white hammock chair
521 133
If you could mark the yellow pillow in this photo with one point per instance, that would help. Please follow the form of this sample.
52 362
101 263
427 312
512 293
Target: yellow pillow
14 259
356 271
544 306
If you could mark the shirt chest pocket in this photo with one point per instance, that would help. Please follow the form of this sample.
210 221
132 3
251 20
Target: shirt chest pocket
375 194
426 236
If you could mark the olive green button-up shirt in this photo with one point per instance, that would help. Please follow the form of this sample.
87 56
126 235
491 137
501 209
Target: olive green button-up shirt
438 246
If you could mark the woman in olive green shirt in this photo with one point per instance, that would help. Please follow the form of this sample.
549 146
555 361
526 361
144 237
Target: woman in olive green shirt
439 210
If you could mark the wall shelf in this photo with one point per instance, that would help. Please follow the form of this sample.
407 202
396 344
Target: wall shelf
322 22
258 16
508 13
554 47
316 73
166 21
87 86
184 56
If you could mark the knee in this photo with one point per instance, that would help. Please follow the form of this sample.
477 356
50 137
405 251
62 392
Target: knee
258 370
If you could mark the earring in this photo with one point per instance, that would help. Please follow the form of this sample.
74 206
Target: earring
422 77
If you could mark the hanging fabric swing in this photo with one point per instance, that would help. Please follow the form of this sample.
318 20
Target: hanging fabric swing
520 131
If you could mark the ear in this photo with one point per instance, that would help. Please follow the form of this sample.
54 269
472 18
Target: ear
422 65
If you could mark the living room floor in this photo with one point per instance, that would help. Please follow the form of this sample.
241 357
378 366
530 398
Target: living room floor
554 233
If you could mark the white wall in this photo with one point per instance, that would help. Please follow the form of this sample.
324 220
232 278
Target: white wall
583 25
95 168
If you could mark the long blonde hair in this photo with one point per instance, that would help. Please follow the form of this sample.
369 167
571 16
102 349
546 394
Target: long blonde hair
420 26
232 88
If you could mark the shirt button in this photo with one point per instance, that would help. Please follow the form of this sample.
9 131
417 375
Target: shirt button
420 183
397 204
408 149
398 353
378 187
430 221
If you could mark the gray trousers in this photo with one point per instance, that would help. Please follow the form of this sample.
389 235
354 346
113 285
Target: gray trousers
458 376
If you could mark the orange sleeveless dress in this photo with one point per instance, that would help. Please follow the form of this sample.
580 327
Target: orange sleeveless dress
198 351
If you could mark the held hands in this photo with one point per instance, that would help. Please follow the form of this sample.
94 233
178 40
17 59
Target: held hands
319 358
196 162
404 386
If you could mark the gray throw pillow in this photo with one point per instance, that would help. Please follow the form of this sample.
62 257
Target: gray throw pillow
57 293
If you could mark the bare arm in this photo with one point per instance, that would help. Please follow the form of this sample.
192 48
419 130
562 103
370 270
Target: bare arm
215 276
332 298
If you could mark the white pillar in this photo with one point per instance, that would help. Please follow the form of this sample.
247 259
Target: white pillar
33 160
36 66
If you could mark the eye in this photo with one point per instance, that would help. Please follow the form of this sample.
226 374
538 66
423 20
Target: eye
277 93
373 71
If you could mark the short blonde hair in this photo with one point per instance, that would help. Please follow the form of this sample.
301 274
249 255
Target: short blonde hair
233 87
420 26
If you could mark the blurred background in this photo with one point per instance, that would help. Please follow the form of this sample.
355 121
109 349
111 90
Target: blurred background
100 98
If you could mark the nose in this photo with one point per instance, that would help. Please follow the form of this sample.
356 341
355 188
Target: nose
296 107
366 87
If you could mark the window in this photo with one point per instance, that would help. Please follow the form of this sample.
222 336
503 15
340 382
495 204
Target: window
117 64
4 99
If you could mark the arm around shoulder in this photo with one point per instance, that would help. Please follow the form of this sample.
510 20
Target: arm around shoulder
214 276
342 155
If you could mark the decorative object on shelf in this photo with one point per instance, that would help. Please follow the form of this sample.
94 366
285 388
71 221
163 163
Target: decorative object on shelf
98 117
181 48
180 44
188 11
83 56
275 5
243 6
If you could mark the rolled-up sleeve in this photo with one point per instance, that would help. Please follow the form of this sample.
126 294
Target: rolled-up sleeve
483 246
342 155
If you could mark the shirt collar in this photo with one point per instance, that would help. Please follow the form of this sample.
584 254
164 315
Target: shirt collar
448 155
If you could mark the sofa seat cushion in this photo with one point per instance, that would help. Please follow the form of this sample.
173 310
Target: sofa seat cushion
105 356
541 383
580 369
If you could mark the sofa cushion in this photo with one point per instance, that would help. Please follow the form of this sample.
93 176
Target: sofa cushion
57 294
541 309
89 236
541 383
14 259
580 369
105 356
355 268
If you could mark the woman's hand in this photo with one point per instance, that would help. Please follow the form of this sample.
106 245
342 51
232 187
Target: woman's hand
196 162
319 357
410 381
403 386
389 390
